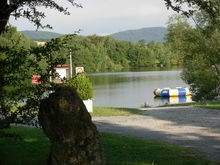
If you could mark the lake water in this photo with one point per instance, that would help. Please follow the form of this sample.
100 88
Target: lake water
134 89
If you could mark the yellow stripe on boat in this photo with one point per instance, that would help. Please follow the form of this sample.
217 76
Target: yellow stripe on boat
172 92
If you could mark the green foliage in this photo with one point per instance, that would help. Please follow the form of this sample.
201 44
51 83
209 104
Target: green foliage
163 55
19 60
211 8
199 49
178 28
83 86
14 62
202 64
98 54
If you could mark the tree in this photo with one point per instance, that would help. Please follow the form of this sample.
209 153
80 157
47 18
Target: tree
19 60
161 54
210 7
199 48
28 9
202 64
177 28
14 73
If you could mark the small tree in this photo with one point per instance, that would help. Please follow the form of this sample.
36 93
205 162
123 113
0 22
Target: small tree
83 86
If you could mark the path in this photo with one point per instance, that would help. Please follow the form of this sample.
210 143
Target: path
198 128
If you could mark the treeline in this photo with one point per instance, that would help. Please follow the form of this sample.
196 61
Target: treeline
98 54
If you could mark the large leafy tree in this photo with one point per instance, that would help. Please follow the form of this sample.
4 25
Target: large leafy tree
14 69
19 60
177 27
199 47
202 64
210 7
29 9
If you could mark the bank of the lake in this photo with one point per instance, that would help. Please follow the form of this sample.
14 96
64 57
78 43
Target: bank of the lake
111 111
202 104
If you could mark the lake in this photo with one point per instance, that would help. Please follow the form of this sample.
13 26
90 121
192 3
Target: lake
134 89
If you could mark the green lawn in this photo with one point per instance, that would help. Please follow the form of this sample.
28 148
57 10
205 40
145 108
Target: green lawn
209 104
29 146
204 104
108 111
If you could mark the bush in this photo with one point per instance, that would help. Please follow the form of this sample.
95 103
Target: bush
83 86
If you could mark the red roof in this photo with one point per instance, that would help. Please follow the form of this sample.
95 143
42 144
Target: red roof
62 66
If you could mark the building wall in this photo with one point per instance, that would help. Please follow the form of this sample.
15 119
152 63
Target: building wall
40 43
62 72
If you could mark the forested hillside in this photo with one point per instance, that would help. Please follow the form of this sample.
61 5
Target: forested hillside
40 35
98 54
104 53
145 35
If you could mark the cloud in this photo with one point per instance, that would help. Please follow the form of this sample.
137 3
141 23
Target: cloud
105 16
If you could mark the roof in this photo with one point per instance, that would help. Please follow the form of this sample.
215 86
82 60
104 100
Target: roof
62 66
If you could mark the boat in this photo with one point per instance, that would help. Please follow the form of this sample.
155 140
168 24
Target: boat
173 100
172 92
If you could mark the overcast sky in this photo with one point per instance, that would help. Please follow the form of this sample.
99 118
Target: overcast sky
103 17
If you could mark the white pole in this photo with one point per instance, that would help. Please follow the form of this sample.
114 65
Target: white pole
71 67
50 77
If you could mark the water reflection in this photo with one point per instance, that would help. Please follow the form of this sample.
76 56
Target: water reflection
132 89
173 100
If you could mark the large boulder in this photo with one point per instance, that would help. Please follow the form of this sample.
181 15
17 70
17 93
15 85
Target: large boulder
65 120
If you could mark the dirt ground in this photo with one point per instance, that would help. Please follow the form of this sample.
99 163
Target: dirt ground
198 128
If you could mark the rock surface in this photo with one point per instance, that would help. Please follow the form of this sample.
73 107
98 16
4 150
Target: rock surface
65 120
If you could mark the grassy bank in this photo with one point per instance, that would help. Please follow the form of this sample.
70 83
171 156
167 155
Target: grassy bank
204 104
109 111
29 146
209 104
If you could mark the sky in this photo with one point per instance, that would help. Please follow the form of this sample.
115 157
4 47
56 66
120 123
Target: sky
103 17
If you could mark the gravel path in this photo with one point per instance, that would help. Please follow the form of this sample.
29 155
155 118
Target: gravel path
198 128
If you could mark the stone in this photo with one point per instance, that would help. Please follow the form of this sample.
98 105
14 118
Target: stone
66 121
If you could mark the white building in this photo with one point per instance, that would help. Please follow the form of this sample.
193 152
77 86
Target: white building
63 71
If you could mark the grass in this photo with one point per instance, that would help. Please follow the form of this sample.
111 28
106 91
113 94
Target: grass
178 105
23 146
204 104
31 147
209 104
108 111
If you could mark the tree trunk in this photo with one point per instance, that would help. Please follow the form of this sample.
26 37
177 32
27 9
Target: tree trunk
3 21
5 12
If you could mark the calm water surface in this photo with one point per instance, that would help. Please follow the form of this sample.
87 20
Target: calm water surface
134 89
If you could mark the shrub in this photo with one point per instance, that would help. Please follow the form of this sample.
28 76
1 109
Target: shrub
83 86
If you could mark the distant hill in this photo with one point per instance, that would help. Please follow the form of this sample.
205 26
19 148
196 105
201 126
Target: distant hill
155 34
40 35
